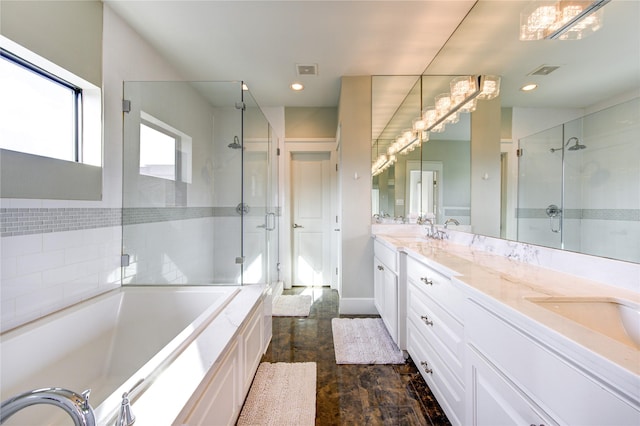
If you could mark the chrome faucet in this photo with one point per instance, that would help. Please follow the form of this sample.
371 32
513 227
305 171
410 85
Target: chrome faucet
451 220
125 417
77 406
431 230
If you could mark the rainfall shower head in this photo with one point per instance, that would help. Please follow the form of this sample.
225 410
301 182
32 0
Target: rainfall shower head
235 144
575 147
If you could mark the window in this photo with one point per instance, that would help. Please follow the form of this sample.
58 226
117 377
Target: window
165 152
50 129
157 153
41 113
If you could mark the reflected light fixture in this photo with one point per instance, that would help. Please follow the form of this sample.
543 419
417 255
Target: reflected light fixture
296 87
529 87
465 92
561 19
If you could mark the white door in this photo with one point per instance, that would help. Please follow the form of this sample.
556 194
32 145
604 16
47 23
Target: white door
310 218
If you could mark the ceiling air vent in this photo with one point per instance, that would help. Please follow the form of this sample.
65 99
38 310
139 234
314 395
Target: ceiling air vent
544 70
307 69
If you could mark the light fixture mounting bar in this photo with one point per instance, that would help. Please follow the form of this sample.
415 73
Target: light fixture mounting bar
587 11
411 142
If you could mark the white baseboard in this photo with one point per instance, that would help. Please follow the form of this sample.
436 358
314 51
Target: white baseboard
277 289
357 306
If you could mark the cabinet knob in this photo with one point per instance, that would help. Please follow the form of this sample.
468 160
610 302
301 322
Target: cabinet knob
425 365
426 320
426 280
380 268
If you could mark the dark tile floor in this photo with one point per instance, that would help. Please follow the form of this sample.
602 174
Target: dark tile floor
351 394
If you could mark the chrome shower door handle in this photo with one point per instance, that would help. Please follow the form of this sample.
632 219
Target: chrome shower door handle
295 225
271 226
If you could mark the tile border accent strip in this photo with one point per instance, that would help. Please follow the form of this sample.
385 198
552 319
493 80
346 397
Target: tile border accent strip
27 221
590 214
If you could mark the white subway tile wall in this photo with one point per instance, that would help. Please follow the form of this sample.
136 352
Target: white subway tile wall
44 272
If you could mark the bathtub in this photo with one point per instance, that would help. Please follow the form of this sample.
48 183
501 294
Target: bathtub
124 341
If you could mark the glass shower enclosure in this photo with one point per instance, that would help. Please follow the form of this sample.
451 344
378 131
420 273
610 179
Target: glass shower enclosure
198 186
579 184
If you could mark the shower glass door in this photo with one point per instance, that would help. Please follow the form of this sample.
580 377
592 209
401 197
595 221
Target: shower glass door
182 183
540 199
259 195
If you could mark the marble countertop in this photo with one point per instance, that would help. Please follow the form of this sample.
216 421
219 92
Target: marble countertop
518 286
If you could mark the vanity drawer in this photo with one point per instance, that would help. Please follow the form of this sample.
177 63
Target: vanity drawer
442 330
444 385
386 255
437 286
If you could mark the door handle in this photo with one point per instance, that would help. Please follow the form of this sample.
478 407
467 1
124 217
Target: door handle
295 225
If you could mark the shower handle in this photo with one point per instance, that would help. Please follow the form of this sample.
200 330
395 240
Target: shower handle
553 211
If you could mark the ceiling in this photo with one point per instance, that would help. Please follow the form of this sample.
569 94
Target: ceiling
262 42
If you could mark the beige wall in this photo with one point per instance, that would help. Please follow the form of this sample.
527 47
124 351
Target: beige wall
354 117
67 33
485 168
305 123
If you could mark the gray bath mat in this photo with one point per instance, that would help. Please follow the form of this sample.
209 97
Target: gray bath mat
364 341
281 394
297 305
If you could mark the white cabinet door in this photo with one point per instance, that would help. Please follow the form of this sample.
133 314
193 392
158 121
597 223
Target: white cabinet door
495 401
390 316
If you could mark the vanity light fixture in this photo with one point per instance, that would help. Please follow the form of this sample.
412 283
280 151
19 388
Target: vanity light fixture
529 87
561 19
382 163
296 87
465 92
245 87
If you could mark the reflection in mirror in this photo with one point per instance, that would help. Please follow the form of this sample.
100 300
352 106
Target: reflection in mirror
580 182
580 93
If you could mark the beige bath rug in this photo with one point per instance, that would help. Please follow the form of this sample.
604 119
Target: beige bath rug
281 394
297 305
364 341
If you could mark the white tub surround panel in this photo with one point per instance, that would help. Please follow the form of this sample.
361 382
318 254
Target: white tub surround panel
522 361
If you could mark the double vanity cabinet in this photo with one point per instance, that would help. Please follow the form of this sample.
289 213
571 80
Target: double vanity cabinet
488 352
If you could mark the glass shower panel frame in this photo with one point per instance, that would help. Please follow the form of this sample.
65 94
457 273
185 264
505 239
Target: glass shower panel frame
187 230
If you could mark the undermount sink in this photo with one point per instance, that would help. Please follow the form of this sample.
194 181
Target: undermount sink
615 318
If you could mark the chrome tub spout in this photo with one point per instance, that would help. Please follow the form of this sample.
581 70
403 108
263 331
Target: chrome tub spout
77 406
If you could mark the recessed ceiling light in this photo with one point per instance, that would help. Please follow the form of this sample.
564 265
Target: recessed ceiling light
529 87
297 86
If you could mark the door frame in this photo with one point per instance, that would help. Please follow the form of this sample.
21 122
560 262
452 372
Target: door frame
294 146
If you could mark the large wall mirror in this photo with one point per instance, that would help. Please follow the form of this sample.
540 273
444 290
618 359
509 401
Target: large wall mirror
567 170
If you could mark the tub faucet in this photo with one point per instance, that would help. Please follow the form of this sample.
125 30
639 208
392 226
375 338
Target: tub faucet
125 417
77 406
